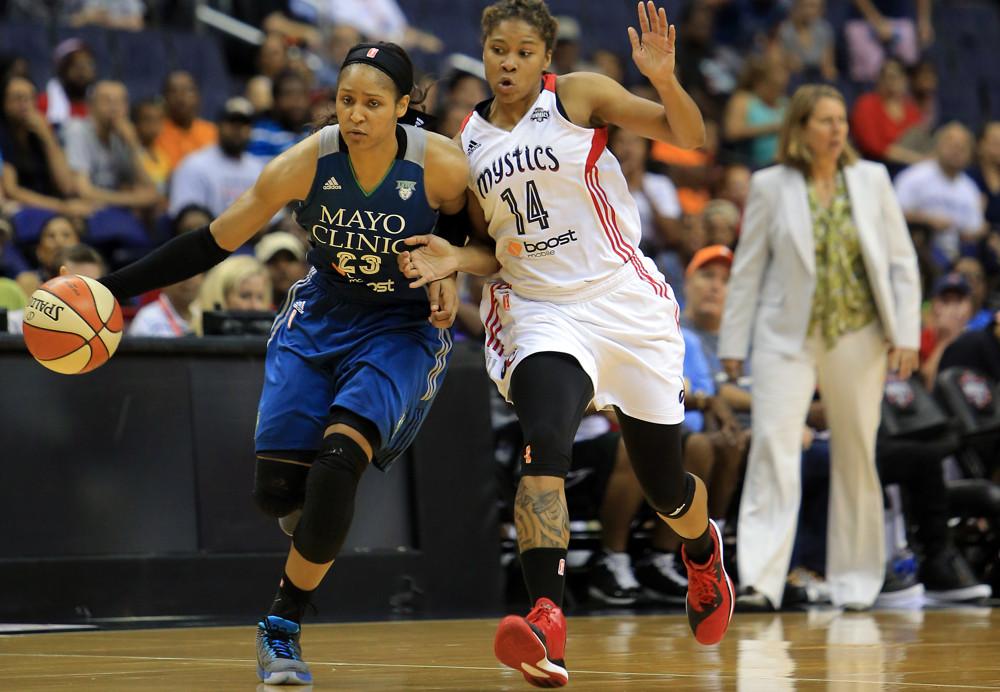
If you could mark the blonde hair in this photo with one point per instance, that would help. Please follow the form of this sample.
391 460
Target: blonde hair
792 149
724 208
221 280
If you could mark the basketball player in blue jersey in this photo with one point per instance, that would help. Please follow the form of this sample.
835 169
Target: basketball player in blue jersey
353 361
578 313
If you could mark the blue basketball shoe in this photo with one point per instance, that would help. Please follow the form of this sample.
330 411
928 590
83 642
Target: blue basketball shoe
279 656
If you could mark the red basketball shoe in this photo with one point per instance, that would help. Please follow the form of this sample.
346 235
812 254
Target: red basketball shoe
535 645
710 596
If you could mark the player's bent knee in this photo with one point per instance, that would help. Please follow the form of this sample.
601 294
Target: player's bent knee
676 504
546 451
541 459
280 484
329 502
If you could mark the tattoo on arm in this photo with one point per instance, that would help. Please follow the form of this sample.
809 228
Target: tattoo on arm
542 519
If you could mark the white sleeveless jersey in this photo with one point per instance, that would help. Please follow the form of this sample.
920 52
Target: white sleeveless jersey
556 201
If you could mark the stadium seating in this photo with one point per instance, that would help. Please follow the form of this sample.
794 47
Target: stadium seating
32 42
201 55
143 59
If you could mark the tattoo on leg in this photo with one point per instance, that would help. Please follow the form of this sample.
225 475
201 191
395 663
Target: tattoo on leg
542 520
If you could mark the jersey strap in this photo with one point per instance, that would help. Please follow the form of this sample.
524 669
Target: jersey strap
411 143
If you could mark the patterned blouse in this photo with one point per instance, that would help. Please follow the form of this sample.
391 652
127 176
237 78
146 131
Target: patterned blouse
843 301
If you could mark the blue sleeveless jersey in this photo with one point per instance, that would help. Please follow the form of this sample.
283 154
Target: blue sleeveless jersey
356 236
352 335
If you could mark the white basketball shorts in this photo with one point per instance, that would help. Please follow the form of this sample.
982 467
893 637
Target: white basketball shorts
621 331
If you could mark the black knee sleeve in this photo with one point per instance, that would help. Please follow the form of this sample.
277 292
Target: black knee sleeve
329 502
367 428
550 392
547 452
655 452
675 509
280 481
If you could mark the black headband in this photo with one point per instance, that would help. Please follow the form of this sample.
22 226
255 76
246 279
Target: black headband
384 60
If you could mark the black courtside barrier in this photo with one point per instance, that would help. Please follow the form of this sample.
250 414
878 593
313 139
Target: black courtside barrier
126 492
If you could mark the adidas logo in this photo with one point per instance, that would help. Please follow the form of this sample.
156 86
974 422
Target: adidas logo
332 184
473 145
299 306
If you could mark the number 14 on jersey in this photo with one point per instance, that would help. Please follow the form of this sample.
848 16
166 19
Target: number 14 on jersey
536 210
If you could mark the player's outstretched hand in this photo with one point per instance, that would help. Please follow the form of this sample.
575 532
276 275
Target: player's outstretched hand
653 51
443 296
433 258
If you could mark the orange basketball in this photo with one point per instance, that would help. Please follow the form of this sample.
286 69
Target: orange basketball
72 324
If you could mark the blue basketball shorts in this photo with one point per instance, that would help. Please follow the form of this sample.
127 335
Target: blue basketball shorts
383 362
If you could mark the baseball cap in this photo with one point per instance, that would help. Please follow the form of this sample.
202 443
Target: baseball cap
237 108
951 282
273 243
67 47
712 253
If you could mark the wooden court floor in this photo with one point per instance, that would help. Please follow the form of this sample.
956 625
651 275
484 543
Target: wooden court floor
949 649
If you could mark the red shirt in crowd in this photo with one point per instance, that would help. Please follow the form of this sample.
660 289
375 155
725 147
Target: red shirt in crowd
873 129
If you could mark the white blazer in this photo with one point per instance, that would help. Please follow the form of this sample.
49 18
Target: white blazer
773 276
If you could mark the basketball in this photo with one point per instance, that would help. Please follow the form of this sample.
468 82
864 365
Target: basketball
72 324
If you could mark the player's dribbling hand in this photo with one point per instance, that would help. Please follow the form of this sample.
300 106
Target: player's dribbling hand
653 51
443 297
433 259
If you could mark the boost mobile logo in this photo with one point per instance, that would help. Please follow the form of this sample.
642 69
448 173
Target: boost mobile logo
542 247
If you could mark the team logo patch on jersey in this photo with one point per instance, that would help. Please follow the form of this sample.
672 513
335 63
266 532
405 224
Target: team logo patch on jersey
331 184
473 145
539 115
405 189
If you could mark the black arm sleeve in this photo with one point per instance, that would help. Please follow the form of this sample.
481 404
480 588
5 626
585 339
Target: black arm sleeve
454 227
178 259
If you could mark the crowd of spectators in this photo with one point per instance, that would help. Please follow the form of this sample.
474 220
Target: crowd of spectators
87 164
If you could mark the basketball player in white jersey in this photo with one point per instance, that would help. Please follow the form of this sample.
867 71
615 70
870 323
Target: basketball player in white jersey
578 313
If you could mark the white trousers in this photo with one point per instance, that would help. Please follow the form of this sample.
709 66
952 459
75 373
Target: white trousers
851 381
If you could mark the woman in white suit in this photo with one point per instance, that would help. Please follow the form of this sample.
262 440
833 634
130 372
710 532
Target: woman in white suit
824 286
